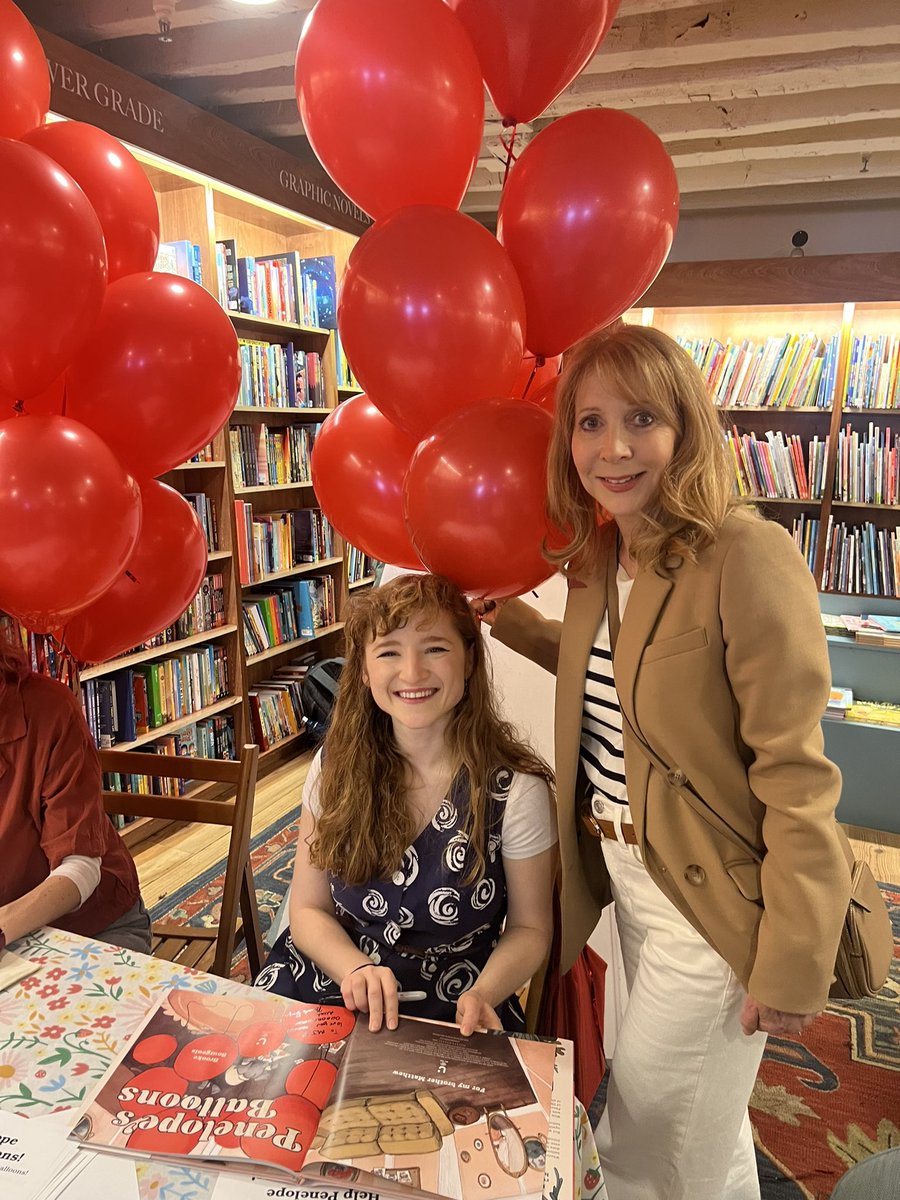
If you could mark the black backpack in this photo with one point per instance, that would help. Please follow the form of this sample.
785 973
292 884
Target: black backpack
318 694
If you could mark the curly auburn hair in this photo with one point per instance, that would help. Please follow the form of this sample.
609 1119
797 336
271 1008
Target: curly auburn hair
364 823
644 367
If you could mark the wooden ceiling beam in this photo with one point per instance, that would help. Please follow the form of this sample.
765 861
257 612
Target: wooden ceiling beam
859 138
724 29
89 22
227 47
726 176
732 79
769 114
860 190
248 87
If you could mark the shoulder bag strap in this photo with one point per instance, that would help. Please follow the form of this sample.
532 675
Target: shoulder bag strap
685 791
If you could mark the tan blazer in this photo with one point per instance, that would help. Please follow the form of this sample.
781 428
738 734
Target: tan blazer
722 667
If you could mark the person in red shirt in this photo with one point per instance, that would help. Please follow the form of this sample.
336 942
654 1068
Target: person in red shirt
64 864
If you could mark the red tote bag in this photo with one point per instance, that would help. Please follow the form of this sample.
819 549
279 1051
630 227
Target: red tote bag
572 1006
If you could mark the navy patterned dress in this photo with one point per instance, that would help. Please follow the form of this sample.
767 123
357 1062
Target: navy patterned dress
434 931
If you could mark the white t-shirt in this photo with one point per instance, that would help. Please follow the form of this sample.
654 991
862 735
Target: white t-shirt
529 819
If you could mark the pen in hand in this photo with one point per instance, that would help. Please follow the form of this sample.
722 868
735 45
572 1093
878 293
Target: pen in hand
403 997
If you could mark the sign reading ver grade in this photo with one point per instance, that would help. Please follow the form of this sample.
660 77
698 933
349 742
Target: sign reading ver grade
88 88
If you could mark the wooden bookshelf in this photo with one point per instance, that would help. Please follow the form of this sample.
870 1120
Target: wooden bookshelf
296 646
835 295
843 295
200 714
198 209
154 652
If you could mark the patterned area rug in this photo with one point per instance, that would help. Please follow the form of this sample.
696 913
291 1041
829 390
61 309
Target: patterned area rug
823 1103
198 902
819 1106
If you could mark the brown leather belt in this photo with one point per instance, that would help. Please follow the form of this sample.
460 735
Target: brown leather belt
607 829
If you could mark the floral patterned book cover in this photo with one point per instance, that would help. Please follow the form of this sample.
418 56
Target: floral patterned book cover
302 1091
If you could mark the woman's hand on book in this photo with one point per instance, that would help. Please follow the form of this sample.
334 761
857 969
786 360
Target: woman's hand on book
474 1012
373 990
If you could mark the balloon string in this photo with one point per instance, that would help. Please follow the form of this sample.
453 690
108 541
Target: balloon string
539 361
508 147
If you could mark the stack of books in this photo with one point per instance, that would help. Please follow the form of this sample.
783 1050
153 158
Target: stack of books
839 701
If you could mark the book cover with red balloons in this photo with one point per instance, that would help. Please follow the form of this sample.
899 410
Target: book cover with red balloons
286 1090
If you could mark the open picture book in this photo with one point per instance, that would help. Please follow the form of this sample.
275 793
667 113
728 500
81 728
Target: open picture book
305 1092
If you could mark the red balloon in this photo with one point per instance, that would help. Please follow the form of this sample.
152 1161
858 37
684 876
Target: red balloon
114 182
49 402
544 396
312 1079
24 77
155 1049
534 373
69 517
431 315
206 1057
54 269
410 67
159 374
588 216
260 1039
359 461
530 50
475 498
316 1024
156 585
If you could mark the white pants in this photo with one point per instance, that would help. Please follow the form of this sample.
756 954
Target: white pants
676 1125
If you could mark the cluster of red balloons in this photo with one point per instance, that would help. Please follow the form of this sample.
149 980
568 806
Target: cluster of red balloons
455 335
110 374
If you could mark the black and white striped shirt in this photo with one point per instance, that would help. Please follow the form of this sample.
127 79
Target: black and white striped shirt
602 753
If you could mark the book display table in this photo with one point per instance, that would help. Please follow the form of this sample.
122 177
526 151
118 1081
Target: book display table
62 1026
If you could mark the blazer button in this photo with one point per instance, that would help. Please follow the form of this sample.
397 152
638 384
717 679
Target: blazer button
676 778
695 875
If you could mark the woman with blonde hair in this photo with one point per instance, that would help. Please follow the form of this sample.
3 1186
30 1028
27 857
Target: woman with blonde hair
427 841
693 790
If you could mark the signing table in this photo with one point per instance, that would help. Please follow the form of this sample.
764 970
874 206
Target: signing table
61 1026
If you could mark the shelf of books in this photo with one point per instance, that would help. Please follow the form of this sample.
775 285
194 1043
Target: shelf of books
802 356
810 398
230 669
362 569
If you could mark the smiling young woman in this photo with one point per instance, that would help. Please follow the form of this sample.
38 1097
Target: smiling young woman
427 842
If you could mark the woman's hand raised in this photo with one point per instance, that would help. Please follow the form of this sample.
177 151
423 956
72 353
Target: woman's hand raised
372 989
486 610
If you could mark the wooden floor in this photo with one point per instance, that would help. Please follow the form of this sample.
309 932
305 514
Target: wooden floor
167 863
